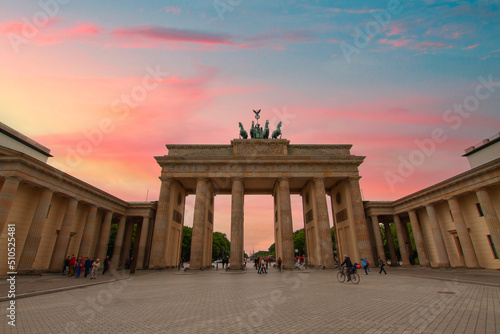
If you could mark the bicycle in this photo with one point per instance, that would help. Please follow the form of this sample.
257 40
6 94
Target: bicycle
341 275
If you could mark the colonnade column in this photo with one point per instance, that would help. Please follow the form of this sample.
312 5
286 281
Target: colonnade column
159 240
419 239
7 194
323 223
127 242
390 243
34 236
198 236
102 247
361 228
142 243
490 217
237 218
288 250
438 237
62 241
463 234
118 242
378 238
401 241
88 233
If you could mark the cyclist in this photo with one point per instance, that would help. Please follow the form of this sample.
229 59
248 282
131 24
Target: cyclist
348 266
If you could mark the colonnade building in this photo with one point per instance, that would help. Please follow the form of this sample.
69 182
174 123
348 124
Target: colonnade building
451 224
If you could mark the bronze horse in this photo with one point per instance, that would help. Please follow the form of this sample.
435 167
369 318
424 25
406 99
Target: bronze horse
277 132
243 133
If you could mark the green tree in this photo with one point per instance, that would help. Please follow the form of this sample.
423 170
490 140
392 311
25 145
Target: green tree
262 253
299 242
112 239
272 249
221 246
187 233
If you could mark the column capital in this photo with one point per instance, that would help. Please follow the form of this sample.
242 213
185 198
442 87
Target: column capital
483 188
13 178
451 198
236 178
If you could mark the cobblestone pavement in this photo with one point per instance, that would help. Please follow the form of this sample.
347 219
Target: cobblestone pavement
289 302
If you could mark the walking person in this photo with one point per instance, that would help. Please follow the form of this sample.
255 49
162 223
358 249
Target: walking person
382 264
365 265
95 268
279 263
263 265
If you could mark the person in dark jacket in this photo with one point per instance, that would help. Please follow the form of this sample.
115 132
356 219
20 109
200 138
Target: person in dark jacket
88 266
348 266
106 265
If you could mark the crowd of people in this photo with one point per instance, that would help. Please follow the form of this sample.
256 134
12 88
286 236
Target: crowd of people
75 267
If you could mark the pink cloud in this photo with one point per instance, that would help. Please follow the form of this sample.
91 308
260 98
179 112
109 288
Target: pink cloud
449 31
395 43
175 10
395 29
20 28
471 47
430 45
161 34
50 33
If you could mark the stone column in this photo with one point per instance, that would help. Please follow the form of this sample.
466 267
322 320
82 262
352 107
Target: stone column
157 257
237 214
463 234
490 216
32 242
142 243
117 250
102 248
323 224
88 233
127 243
438 237
401 241
361 228
62 241
7 194
378 238
419 238
390 244
198 236
286 224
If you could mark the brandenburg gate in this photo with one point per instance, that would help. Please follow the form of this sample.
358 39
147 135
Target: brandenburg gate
260 165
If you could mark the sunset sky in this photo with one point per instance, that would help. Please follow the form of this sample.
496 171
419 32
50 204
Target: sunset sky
106 84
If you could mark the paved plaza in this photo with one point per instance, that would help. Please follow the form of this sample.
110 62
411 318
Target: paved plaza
416 300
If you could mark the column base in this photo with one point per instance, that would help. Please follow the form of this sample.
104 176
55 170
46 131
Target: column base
237 268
